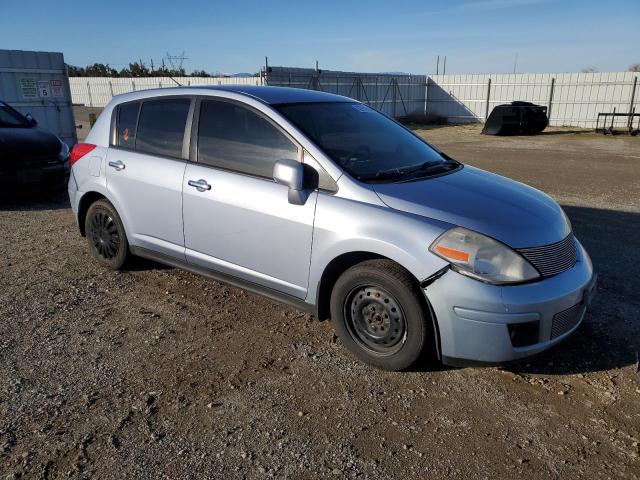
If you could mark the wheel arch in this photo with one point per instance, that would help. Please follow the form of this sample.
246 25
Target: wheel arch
341 264
83 207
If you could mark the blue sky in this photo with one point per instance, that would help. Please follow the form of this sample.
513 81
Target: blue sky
477 36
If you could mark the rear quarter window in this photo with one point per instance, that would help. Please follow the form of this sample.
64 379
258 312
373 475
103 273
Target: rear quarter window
126 125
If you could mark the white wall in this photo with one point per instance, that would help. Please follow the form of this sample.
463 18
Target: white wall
577 97
97 91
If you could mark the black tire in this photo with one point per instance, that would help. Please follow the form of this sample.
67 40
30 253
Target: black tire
379 314
106 236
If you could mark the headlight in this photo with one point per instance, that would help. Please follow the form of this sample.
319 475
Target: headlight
64 152
482 257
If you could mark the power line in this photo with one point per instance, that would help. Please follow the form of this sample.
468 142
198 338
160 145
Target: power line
176 61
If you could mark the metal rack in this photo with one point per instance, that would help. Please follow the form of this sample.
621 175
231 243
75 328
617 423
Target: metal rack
610 129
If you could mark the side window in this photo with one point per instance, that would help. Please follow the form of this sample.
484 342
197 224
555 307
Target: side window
161 126
236 138
126 125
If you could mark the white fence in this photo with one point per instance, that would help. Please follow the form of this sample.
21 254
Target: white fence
397 95
572 99
97 91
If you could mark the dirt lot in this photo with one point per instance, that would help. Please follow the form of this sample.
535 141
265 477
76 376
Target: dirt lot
156 373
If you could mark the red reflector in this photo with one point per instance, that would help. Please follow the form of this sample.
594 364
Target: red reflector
79 151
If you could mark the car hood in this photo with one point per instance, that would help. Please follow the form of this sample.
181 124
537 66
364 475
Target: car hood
504 209
27 144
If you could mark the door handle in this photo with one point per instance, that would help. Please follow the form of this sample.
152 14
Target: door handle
118 165
201 185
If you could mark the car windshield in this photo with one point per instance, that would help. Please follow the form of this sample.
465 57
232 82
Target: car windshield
367 144
10 118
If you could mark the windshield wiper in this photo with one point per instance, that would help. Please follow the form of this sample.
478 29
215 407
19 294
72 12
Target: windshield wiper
383 175
426 167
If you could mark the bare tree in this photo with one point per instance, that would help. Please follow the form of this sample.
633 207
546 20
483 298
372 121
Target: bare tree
634 67
589 70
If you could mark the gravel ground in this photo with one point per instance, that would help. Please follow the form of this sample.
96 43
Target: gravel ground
157 373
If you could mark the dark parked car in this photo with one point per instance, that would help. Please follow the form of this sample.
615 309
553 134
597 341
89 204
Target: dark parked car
30 155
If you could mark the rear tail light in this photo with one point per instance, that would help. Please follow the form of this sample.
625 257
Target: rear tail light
80 150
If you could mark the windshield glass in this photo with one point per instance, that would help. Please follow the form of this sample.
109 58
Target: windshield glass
10 118
366 143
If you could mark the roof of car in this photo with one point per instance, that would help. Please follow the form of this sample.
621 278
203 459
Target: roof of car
276 95
269 95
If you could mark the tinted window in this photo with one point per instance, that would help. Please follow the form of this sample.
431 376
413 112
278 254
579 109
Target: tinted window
366 143
10 118
161 126
126 125
236 138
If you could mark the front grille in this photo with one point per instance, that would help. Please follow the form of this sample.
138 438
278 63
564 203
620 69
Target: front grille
565 320
554 258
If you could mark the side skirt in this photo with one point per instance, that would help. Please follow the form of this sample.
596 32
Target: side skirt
226 278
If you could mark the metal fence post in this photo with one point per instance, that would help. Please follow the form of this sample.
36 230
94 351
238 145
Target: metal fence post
377 96
394 98
551 90
633 98
111 88
89 92
486 108
426 94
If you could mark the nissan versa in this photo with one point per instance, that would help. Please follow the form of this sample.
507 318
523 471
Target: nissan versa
321 202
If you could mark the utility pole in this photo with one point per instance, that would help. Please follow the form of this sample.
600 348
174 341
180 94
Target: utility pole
438 65
515 63
176 61
444 66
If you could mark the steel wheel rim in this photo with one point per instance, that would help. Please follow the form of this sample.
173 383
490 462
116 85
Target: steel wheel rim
105 236
375 320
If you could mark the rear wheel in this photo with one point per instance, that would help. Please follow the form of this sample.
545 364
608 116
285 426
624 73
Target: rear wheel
379 314
105 235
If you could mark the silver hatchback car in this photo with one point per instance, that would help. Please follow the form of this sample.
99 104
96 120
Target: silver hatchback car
321 202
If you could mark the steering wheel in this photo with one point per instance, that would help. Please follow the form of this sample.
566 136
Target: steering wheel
361 154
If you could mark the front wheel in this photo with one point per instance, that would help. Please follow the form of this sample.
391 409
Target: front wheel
105 235
379 314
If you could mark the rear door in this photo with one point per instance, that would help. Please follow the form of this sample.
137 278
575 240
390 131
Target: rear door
237 220
145 169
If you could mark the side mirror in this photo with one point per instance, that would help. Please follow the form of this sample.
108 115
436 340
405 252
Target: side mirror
30 119
291 174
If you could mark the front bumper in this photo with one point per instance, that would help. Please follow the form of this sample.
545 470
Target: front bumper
473 317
